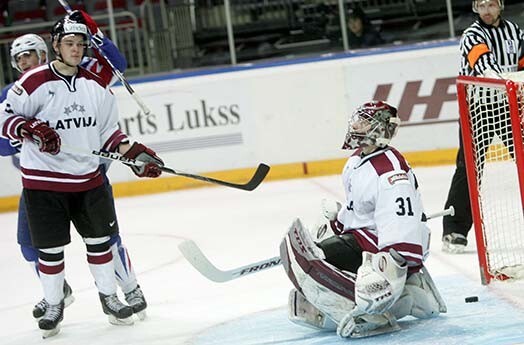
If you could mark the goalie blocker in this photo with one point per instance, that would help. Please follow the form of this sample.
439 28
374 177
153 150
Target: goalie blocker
324 295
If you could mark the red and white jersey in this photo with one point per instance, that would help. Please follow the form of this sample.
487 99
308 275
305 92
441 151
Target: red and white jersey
81 109
384 208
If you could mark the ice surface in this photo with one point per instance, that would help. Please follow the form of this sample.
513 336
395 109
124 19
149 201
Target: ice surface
234 228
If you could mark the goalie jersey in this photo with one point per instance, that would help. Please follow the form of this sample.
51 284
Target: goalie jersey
384 208
83 112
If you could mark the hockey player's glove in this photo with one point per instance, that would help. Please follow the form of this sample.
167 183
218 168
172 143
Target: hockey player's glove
142 153
41 134
95 32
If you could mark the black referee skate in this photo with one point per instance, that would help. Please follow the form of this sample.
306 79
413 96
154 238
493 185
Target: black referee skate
50 321
118 312
137 301
40 308
454 243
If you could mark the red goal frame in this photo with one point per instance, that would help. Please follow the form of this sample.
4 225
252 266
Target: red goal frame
511 89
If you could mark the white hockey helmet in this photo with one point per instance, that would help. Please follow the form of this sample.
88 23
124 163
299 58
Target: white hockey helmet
373 123
27 43
475 3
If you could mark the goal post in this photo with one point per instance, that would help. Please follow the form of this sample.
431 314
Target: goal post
491 120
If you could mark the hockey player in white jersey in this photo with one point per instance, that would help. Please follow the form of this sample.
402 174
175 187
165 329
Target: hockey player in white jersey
61 102
361 268
29 51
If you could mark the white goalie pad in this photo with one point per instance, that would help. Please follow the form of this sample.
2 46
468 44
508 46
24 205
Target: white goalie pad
420 298
327 288
380 281
303 313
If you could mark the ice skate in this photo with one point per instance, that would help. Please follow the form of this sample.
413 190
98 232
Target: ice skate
50 321
454 243
137 301
40 308
117 312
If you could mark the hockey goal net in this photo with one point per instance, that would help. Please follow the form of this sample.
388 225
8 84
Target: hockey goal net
491 118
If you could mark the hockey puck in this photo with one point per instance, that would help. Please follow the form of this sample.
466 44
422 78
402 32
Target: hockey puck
471 299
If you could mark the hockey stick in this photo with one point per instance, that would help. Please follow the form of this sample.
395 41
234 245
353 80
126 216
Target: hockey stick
116 72
201 263
253 183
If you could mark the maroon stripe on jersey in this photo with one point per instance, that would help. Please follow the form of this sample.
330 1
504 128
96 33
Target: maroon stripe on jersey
37 79
55 174
83 73
11 125
100 259
381 164
403 164
48 269
28 183
366 240
415 249
325 276
409 251
114 140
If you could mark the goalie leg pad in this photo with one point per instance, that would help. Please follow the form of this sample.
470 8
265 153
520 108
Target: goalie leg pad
306 314
419 298
324 286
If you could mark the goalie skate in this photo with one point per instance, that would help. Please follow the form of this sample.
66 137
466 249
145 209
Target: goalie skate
367 325
118 313
137 301
50 321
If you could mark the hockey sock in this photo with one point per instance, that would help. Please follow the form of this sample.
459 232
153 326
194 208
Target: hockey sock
100 259
51 266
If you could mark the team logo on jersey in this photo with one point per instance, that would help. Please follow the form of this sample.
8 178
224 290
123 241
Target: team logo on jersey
510 47
74 107
17 90
397 177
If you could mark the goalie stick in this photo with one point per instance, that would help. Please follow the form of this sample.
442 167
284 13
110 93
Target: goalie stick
201 263
116 72
253 183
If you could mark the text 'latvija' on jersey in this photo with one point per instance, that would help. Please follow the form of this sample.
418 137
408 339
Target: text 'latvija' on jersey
81 109
384 208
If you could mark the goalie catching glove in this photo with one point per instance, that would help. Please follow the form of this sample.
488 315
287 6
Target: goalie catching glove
380 281
326 225
142 153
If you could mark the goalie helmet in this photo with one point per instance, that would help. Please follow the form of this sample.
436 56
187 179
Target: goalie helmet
475 3
374 123
27 43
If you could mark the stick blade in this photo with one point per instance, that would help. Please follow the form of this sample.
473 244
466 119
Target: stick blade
198 260
258 177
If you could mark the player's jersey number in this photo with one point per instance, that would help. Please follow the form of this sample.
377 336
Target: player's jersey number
404 206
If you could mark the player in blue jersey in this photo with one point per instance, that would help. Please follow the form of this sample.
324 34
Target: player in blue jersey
29 51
